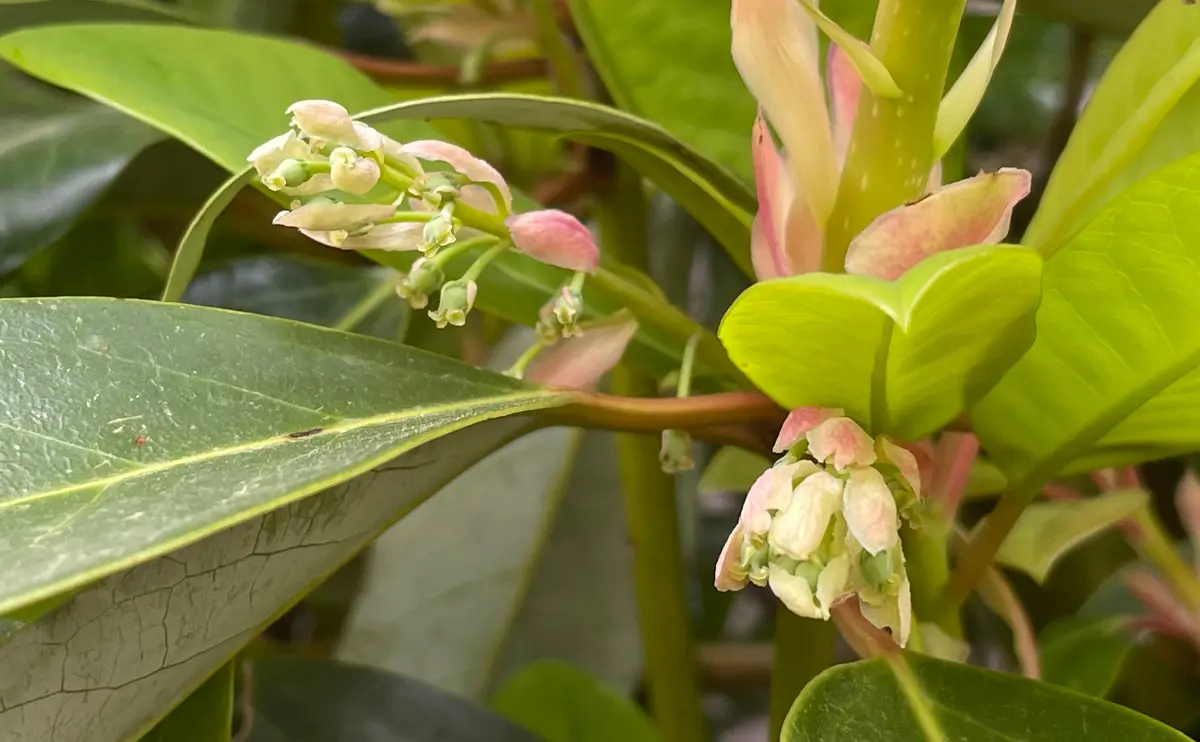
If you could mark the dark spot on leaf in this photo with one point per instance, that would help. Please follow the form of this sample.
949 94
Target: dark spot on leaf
305 433
140 441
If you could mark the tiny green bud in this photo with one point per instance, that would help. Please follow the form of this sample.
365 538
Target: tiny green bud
289 174
424 278
676 453
877 570
439 232
810 571
455 303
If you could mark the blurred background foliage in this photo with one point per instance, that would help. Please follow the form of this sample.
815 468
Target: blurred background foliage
92 202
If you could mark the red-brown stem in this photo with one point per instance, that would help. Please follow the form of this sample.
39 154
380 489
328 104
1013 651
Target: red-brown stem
441 75
866 639
952 465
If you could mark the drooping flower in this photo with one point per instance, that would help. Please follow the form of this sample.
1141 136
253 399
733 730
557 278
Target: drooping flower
815 531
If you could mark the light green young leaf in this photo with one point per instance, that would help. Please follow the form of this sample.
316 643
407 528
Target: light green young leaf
732 470
192 609
1141 117
306 700
135 428
191 247
1048 530
206 715
699 96
1085 654
937 701
960 103
872 71
563 704
902 357
1112 377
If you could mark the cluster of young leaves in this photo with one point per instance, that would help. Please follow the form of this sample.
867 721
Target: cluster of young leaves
168 475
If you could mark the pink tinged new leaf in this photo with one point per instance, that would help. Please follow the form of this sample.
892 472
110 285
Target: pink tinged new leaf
578 362
555 237
801 420
841 442
845 87
975 211
469 165
960 103
775 50
774 195
1187 502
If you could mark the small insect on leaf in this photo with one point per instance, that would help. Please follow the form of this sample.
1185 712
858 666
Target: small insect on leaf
305 433
140 441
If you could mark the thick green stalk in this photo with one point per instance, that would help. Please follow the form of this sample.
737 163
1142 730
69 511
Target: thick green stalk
650 512
928 566
804 648
891 152
564 66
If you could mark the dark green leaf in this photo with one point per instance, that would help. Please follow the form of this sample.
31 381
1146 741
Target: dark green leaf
1048 530
132 645
902 357
206 715
943 701
302 700
1108 17
57 154
1141 117
563 704
1085 655
1111 378
16 14
304 290
668 60
135 428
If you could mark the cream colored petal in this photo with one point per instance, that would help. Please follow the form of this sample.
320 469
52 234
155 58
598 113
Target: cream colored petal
832 583
729 574
870 510
841 442
794 592
798 530
395 237
325 217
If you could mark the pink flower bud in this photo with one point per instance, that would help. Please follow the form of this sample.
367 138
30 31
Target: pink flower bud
801 420
578 362
841 442
555 237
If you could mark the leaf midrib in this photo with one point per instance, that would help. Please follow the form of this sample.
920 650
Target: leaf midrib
543 400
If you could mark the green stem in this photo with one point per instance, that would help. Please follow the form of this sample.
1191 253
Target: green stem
1155 546
891 152
517 370
414 217
928 566
369 303
804 648
685 369
650 511
564 67
482 261
454 249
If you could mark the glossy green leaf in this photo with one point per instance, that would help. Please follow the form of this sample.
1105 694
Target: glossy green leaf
1048 530
237 99
132 645
191 247
1140 118
1112 377
306 700
948 701
732 470
311 291
712 194
1085 655
139 427
57 155
206 715
901 357
16 14
870 69
563 704
698 97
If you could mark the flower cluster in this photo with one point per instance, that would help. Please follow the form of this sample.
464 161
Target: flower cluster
824 522
357 189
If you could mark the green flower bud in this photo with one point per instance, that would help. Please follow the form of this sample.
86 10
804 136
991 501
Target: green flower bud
289 174
424 278
676 453
455 303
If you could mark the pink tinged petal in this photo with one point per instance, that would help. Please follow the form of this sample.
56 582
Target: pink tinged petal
326 217
771 491
798 530
729 573
975 211
775 50
870 510
395 237
794 592
841 442
833 583
469 165
555 237
323 119
580 361
845 87
904 460
801 420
